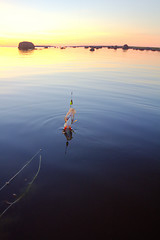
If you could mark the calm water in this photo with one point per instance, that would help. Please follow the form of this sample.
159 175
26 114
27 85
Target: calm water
105 183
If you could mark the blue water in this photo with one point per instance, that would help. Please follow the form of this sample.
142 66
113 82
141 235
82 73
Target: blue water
103 184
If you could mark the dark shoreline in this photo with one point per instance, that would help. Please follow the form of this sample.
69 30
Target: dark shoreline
115 47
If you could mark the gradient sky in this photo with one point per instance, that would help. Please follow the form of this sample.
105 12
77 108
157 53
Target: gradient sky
97 22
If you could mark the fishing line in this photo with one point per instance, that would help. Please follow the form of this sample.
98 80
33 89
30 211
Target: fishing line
27 189
11 179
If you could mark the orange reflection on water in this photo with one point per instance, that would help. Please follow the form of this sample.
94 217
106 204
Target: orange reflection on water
45 61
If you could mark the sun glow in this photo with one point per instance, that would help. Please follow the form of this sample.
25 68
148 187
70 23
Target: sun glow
59 27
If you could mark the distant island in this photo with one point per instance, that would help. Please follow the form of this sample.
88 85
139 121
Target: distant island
25 45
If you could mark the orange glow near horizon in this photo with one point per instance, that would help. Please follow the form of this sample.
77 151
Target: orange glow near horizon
70 41
82 38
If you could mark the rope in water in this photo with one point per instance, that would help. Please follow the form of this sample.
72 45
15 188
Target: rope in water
11 179
29 186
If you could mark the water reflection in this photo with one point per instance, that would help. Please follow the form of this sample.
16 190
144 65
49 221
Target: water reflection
17 63
68 133
26 52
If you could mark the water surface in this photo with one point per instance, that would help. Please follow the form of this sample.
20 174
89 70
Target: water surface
105 183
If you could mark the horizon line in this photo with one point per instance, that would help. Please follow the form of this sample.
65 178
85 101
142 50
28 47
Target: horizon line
85 45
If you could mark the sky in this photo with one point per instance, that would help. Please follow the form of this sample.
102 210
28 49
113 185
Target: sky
84 22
